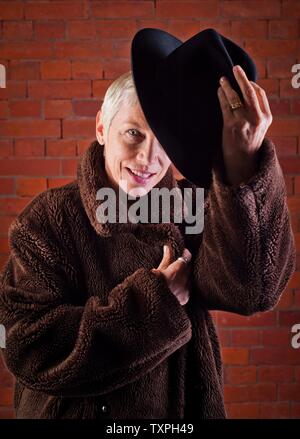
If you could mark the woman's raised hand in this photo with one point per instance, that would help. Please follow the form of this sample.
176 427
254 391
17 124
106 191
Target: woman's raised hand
177 274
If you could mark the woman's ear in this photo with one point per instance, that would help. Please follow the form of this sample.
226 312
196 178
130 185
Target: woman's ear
99 128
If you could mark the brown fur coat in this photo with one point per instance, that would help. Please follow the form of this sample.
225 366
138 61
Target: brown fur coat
92 333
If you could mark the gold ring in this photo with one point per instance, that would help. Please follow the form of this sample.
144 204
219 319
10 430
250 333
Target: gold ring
183 259
235 105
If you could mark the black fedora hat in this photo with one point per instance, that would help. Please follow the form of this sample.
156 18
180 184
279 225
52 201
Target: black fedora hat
176 83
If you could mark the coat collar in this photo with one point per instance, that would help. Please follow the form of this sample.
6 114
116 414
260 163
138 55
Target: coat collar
91 176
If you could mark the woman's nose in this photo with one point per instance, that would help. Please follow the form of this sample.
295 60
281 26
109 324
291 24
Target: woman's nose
148 152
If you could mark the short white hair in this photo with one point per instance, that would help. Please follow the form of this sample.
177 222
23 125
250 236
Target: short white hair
120 91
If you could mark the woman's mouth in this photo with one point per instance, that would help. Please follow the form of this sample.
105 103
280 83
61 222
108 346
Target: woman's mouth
140 177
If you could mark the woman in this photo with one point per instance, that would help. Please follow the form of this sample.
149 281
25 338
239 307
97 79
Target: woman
100 321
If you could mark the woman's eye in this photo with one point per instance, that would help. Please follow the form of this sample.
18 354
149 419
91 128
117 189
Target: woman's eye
132 131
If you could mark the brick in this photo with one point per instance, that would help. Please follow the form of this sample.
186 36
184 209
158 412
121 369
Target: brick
294 204
87 108
59 89
240 375
12 206
287 90
289 392
115 28
289 184
24 70
295 280
4 226
31 167
32 128
58 182
122 49
57 69
274 356
279 107
249 29
100 87
87 69
69 167
295 410
297 298
84 49
244 410
27 187
290 8
235 355
274 410
6 148
251 9
61 148
6 396
81 29
3 262
271 86
272 48
58 108
286 300
224 337
275 337
285 29
7 413
49 30
245 337
6 378
17 30
285 145
291 127
250 393
297 185
295 107
115 67
235 320
117 9
83 145
25 108
13 89
11 10
3 109
78 128
55 10
7 186
280 67
26 50
4 248
289 318
187 9
275 374
29 147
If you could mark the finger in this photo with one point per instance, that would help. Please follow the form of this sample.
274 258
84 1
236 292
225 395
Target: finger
230 94
263 100
166 260
179 265
227 113
247 89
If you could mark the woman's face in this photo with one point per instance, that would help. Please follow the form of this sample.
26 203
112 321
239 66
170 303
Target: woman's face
134 159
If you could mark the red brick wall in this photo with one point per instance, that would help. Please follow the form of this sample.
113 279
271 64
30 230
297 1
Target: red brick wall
61 56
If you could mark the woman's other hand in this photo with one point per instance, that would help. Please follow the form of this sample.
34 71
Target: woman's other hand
177 274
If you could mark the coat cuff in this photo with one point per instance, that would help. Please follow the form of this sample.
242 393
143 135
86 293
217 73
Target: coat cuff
268 175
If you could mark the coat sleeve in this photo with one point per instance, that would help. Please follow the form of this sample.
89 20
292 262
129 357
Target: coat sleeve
247 254
66 350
